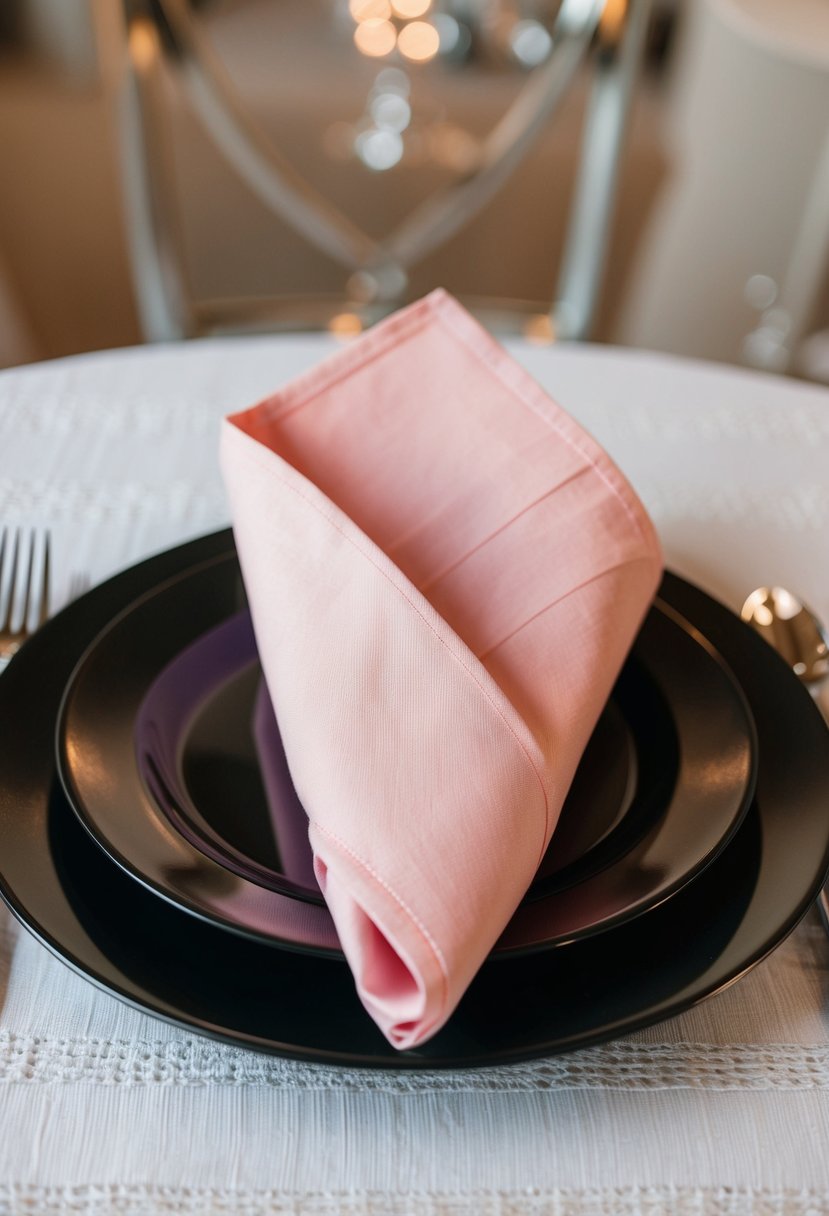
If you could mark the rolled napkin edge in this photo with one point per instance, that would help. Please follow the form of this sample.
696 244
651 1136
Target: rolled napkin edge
373 941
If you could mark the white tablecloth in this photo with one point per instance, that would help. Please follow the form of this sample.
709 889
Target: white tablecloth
723 1110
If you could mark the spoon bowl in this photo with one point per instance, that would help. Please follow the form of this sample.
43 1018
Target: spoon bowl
792 629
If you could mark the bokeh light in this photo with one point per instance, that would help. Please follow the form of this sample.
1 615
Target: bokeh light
345 325
379 149
143 44
530 42
539 329
375 37
418 41
411 8
390 111
392 80
370 10
455 39
612 20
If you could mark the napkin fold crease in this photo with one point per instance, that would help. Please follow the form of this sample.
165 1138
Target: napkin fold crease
445 574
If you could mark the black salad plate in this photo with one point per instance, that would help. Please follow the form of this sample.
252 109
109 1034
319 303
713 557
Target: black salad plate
171 756
120 935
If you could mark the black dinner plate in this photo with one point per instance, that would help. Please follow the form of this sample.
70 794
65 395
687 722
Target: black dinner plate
157 756
166 962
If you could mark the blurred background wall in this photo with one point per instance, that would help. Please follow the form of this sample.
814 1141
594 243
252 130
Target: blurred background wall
719 242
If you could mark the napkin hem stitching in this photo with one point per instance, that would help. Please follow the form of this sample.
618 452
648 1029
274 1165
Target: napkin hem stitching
398 899
279 405
498 360
481 544
593 578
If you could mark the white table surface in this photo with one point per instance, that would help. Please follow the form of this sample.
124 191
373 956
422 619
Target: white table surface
723 1110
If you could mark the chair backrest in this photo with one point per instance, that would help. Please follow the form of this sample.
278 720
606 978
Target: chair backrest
166 41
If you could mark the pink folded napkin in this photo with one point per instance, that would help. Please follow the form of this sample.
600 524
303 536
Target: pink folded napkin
445 574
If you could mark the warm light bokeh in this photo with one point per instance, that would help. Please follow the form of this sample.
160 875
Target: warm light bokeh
411 8
539 329
612 20
418 41
375 37
345 325
369 10
143 44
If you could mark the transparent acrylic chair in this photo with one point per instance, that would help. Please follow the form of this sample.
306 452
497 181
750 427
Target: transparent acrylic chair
165 50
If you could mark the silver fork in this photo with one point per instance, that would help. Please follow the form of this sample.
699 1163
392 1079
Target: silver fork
14 557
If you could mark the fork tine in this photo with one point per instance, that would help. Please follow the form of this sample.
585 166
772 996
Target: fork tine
12 587
2 562
27 594
44 589
32 549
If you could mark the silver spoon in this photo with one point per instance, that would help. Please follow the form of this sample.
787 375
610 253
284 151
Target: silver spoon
800 637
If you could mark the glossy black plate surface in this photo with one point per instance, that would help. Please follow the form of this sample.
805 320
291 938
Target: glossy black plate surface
159 757
121 936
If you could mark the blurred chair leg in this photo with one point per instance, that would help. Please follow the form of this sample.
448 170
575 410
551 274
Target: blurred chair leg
618 61
159 274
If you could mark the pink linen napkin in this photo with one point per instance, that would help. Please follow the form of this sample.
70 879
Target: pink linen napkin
445 574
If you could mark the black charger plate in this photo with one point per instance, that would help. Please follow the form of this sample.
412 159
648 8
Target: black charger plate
165 962
664 783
